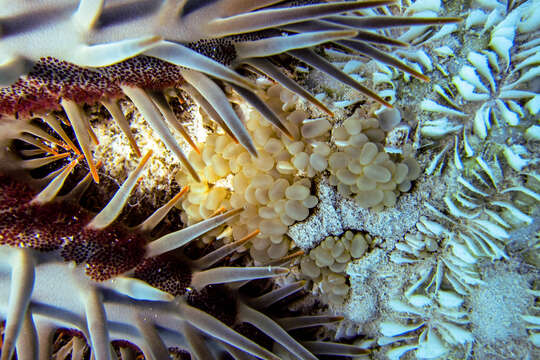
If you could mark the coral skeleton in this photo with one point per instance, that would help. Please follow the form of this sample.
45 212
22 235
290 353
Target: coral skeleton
484 111
490 103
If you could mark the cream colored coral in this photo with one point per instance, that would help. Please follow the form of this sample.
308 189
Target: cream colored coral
267 187
326 263
362 169
275 188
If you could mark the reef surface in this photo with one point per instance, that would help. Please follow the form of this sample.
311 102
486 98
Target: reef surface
435 254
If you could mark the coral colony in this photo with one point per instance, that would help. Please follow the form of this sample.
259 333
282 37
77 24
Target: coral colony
233 179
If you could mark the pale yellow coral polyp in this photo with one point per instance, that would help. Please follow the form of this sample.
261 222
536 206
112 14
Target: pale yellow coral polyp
326 263
275 188
297 192
369 151
362 169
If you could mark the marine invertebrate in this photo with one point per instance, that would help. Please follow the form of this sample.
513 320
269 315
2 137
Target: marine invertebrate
433 317
490 88
325 264
364 169
83 71
435 301
178 304
447 251
484 205
276 188
268 187
121 41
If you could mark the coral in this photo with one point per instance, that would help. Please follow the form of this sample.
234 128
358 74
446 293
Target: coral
364 169
488 203
436 318
443 188
326 263
490 88
266 186
275 188
477 201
